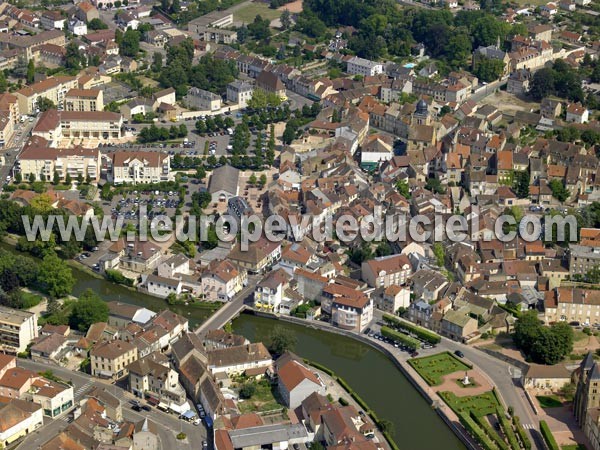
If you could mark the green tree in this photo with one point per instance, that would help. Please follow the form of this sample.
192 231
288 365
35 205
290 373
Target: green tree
521 184
3 82
281 340
259 29
44 104
252 180
30 71
157 62
247 390
97 24
559 191
130 43
543 83
403 189
488 69
440 254
89 309
262 180
285 19
55 276
56 178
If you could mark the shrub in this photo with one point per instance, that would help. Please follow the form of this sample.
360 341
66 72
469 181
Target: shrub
521 433
181 436
117 277
401 338
547 435
474 430
420 332
508 431
343 401
487 428
247 391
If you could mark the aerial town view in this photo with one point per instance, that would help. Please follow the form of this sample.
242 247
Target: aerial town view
299 224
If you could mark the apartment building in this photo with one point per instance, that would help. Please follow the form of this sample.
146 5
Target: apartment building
44 162
364 67
7 129
84 100
10 105
154 374
110 359
140 167
583 258
54 126
572 304
240 92
386 271
54 89
17 329
202 100
349 308
270 290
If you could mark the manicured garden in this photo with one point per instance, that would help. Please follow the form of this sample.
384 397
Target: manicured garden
433 368
481 405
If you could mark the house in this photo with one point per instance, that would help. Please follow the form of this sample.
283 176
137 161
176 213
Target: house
52 20
110 359
222 280
236 360
78 27
138 256
296 382
50 347
154 374
269 82
17 329
577 113
546 378
259 256
364 67
240 92
16 381
86 12
17 419
458 324
550 108
122 314
518 82
269 292
145 435
56 398
166 96
392 298
202 100
386 271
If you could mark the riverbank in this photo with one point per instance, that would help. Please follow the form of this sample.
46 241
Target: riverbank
372 375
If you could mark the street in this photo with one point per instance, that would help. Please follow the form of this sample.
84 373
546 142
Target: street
169 424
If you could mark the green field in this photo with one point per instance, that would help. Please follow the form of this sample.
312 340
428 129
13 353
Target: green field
433 368
247 13
549 401
481 405
262 400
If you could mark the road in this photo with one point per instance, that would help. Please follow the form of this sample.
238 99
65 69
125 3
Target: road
168 424
231 309
500 374
11 152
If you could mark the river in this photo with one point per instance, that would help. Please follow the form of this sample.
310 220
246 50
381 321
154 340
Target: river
416 426
372 375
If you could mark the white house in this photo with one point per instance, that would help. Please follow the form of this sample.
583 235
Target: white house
17 419
160 286
364 67
296 381
78 27
577 113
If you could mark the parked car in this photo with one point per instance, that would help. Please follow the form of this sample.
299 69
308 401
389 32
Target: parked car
459 354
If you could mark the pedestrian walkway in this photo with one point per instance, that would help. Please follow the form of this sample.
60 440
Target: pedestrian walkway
83 389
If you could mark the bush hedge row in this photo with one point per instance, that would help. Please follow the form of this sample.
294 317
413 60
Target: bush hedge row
423 333
487 428
401 338
478 434
522 433
547 434
508 431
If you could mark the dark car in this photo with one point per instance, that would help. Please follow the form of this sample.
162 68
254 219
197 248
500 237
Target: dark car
137 408
459 354
146 408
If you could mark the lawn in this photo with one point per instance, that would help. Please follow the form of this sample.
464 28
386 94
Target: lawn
264 398
249 12
574 447
30 299
548 401
433 368
481 405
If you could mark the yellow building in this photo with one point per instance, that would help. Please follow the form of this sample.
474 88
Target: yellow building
111 358
84 100
53 89
73 161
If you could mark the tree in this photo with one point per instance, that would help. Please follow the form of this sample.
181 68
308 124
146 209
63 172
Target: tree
44 104
559 191
544 345
56 178
281 340
3 82
68 180
130 43
259 29
286 19
247 390
488 69
403 189
434 185
157 62
32 177
383 249
55 276
30 71
175 6
262 180
543 83
97 24
521 184
89 309
252 180
438 251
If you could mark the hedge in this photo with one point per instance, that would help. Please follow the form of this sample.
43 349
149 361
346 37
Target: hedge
547 434
521 433
508 431
316 365
477 433
422 333
487 428
399 337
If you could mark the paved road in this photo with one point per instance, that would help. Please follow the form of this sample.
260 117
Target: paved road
11 152
169 424
231 309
